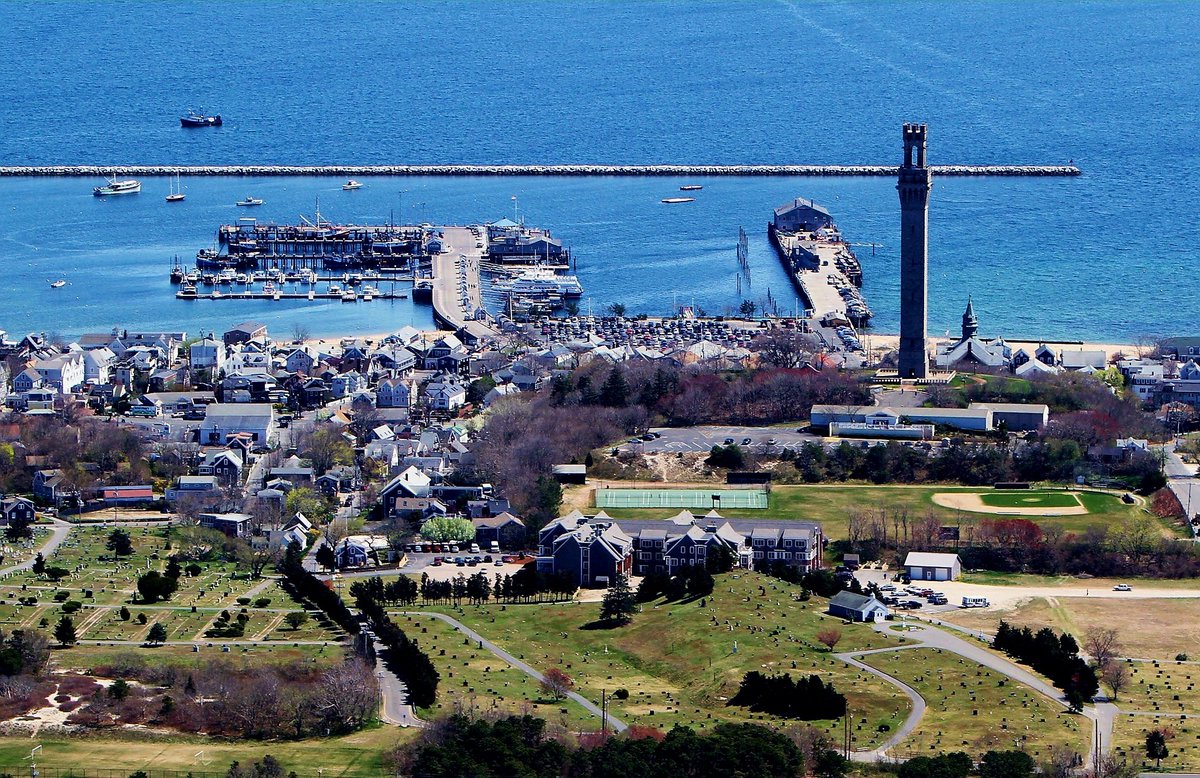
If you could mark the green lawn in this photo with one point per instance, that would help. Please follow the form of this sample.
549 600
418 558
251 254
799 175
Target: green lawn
832 504
1183 742
974 709
681 662
1026 499
352 756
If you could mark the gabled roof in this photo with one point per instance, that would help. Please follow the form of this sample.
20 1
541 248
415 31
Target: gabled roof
851 601
929 559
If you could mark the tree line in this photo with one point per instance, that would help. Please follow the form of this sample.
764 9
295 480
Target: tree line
403 656
521 746
1054 656
807 699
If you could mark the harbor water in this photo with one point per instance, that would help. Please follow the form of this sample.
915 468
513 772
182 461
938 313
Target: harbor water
1110 86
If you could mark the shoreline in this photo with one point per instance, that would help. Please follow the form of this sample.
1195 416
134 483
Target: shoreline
878 342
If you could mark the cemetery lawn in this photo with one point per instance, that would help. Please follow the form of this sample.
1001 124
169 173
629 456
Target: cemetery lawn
677 661
974 709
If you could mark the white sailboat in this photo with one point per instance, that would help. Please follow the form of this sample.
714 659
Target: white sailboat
176 194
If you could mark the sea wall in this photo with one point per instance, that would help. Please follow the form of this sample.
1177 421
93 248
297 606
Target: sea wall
528 170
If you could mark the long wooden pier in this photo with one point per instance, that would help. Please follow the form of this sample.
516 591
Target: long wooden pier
358 171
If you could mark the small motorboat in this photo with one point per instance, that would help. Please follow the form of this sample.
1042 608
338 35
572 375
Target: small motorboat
690 188
59 284
249 201
351 184
349 297
115 187
194 119
187 292
679 199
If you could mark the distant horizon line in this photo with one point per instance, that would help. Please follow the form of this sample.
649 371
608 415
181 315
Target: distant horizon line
666 170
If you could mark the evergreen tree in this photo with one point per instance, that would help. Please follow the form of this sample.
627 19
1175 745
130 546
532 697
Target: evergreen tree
325 556
615 391
173 569
39 564
64 631
119 543
18 529
158 634
619 603
1156 747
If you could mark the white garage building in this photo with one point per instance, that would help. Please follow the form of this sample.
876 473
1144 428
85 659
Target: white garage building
928 566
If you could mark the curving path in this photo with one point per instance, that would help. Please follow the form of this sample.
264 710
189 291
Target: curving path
914 717
58 533
587 704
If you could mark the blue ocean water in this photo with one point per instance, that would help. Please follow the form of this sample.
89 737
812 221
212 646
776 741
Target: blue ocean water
1110 85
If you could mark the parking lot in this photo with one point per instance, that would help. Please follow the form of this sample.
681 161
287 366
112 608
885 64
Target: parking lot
672 440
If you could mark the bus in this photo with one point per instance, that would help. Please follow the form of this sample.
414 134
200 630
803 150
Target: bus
975 602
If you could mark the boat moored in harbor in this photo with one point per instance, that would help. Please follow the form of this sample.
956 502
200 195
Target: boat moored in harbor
351 185
115 187
670 200
691 188
176 194
59 284
249 201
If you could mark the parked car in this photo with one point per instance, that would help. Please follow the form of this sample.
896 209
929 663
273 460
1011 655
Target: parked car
913 605
771 441
728 441
746 441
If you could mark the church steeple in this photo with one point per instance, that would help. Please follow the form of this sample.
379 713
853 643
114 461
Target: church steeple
970 324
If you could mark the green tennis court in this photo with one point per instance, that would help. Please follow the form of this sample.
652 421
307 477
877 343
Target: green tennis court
706 499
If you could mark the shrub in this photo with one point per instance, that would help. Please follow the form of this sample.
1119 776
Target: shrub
71 606
1181 657
262 602
621 694
61 596
243 600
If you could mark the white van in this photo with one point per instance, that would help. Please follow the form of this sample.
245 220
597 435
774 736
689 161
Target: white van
975 602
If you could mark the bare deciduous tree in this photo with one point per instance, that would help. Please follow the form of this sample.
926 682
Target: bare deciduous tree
1102 645
1116 676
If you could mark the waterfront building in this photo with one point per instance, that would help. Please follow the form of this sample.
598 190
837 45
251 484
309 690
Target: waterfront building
915 181
970 350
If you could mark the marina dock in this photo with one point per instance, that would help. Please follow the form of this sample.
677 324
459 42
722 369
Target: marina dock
456 295
359 171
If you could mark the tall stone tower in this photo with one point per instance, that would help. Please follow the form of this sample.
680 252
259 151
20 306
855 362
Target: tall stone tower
916 179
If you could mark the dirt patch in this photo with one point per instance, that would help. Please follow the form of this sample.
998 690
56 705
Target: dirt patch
971 501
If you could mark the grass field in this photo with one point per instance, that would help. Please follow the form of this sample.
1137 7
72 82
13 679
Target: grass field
1183 743
974 709
351 756
474 679
1023 499
1151 629
832 504
678 661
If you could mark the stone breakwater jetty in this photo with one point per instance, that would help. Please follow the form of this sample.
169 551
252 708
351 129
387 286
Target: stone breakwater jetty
529 170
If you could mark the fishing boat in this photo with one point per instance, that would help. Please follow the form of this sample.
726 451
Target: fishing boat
349 297
194 119
269 288
187 291
351 184
59 284
176 194
249 201
368 293
690 188
679 199
115 187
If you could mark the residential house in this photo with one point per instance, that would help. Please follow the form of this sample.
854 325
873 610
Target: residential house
338 479
97 364
857 607
235 525
26 380
127 495
202 487
409 483
246 332
362 551
208 353
396 393
506 530
226 464
16 509
64 372
446 393
347 384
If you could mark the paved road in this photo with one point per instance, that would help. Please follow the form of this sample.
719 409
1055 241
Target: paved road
396 708
589 706
58 533
910 723
1181 478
